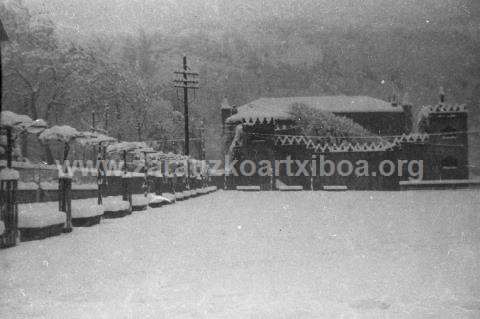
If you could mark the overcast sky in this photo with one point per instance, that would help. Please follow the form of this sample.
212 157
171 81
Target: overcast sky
129 15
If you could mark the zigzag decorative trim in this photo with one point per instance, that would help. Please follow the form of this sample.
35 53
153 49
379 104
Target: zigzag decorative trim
411 138
257 121
445 108
286 140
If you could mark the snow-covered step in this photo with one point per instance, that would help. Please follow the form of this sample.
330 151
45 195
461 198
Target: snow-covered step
335 188
438 184
40 220
249 188
115 207
281 186
290 188
86 212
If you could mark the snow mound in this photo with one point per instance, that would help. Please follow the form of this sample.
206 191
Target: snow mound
39 215
157 199
2 227
83 208
114 204
139 200
169 196
212 189
8 174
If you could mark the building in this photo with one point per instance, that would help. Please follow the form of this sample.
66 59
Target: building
265 130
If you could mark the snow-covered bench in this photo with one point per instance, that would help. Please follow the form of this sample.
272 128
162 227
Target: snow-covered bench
86 212
40 220
139 202
115 207
335 188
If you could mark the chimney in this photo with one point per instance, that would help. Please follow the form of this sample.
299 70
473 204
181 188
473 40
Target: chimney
441 93
227 110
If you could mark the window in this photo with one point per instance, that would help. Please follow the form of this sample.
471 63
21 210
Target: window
449 163
449 133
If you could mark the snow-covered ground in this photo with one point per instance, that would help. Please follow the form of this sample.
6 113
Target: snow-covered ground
260 255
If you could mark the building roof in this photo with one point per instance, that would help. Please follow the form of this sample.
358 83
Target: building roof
279 108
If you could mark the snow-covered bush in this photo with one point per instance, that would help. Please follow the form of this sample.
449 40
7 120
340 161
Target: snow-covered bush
332 128
62 133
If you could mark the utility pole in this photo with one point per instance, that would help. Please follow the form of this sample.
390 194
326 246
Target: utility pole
187 81
107 109
202 140
93 121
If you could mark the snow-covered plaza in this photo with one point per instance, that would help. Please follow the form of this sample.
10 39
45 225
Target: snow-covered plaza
260 255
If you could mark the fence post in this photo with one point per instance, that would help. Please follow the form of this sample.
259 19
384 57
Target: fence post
9 212
65 200
126 191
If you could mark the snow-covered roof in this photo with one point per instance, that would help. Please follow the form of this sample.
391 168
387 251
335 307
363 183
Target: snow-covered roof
62 133
266 109
22 122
